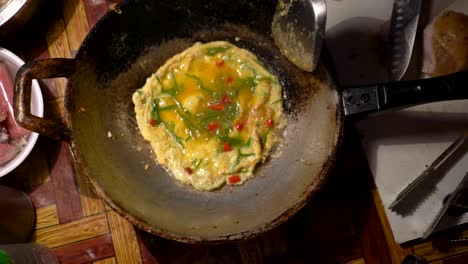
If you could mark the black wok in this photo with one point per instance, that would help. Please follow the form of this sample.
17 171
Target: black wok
127 45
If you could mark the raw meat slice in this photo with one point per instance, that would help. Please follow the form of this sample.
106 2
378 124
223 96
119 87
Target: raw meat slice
6 104
7 152
446 44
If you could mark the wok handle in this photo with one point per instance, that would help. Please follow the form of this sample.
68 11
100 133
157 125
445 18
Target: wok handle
40 69
379 97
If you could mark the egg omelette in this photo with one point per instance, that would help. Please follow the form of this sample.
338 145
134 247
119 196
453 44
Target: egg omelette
211 114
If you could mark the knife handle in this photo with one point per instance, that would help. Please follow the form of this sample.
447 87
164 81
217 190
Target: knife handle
367 99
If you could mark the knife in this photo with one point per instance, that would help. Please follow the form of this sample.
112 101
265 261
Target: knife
403 26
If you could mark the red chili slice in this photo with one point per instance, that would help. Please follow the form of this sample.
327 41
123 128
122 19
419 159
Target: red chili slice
213 126
269 123
188 170
234 179
153 122
216 107
229 80
219 63
239 126
226 99
227 147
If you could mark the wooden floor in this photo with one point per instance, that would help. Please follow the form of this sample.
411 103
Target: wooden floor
344 223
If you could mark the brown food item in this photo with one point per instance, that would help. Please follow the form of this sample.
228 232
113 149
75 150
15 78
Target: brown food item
6 100
7 152
446 44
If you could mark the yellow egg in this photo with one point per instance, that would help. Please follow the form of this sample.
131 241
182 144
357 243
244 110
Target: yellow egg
211 113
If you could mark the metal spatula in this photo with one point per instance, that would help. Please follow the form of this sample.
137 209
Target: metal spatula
298 29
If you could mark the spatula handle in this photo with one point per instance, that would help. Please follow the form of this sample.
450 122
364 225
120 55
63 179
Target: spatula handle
395 95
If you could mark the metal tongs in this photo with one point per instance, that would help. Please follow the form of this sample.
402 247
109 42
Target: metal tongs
453 152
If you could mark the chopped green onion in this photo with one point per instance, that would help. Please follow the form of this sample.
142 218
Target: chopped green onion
215 50
159 81
196 163
185 110
200 85
235 142
240 156
169 126
249 143
188 123
175 84
155 111
166 108
265 136
174 90
250 68
249 81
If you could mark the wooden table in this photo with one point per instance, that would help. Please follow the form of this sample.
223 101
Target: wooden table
344 223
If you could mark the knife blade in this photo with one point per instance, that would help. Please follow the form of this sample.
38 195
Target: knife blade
403 26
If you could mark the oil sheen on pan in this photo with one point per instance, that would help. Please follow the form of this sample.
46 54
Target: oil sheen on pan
211 114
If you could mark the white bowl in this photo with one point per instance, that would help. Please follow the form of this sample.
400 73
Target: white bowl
13 63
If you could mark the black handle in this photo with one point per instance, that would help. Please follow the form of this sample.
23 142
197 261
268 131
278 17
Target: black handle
386 96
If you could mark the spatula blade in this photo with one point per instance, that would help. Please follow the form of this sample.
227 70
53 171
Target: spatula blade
298 29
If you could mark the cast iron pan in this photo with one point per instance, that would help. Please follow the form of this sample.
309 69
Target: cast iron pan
127 45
